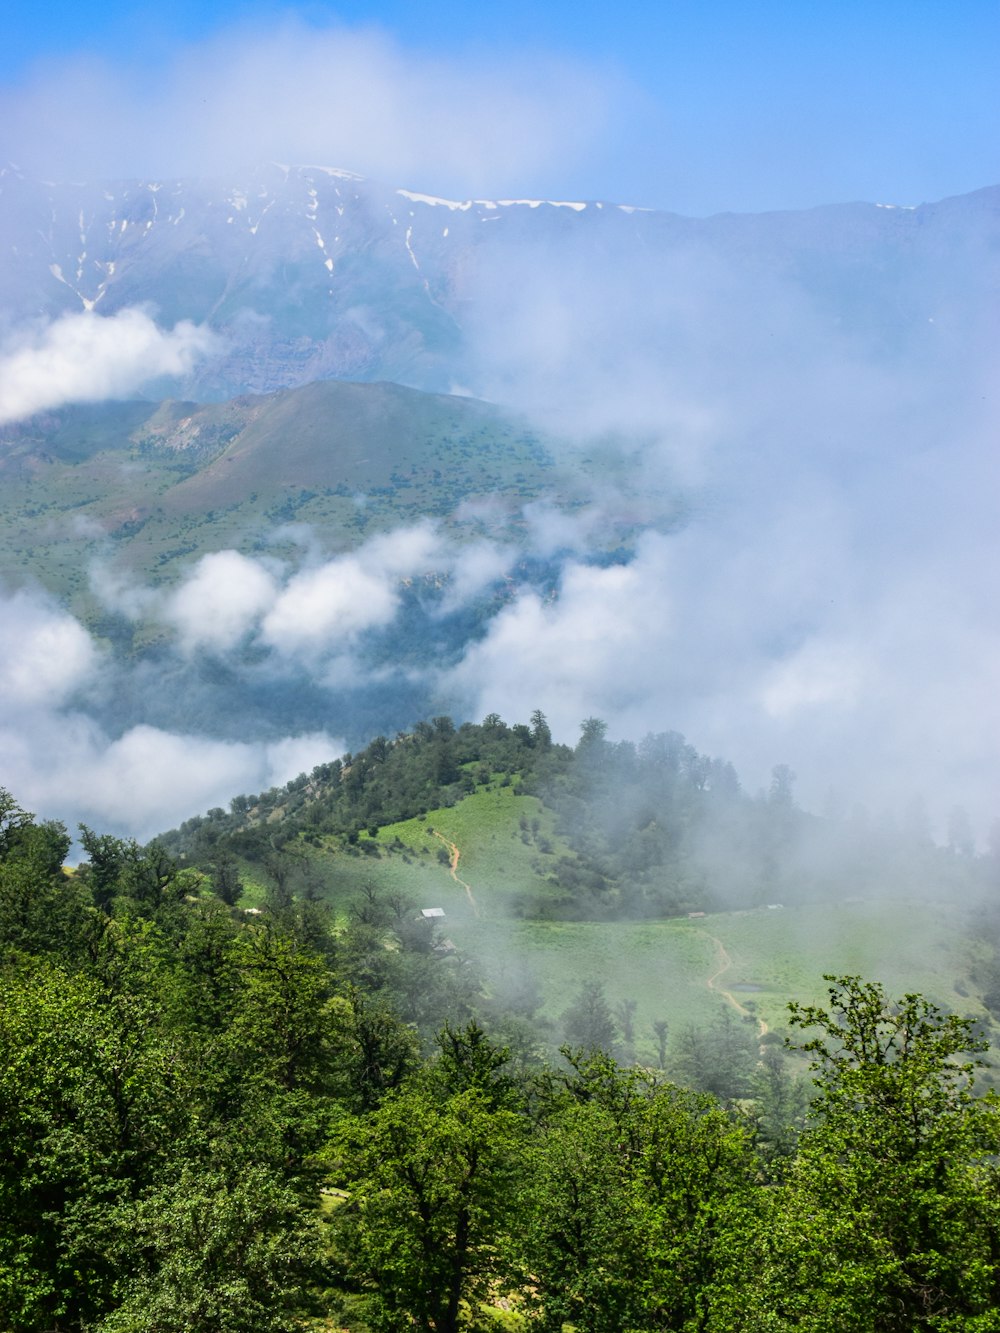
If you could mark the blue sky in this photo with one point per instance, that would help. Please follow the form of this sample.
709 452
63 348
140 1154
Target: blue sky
702 107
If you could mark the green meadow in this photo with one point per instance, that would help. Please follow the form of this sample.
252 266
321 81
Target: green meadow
777 957
764 958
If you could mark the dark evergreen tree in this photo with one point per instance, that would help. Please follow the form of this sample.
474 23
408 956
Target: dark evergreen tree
588 1023
226 882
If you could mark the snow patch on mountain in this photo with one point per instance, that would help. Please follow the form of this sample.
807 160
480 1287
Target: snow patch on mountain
463 206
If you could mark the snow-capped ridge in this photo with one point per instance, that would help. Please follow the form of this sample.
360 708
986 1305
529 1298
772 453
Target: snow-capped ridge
463 205
339 173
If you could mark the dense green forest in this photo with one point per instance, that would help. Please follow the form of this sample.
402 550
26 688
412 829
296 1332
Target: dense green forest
315 1112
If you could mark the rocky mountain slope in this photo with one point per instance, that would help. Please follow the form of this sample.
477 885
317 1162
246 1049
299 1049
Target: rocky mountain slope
314 272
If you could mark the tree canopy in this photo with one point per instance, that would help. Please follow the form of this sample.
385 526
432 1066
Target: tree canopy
215 1120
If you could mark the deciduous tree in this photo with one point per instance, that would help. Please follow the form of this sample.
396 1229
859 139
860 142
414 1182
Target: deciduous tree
890 1219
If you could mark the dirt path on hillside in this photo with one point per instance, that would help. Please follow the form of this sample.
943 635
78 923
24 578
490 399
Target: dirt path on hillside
725 962
454 856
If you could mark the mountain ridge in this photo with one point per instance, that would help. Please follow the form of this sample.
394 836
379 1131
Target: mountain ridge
316 273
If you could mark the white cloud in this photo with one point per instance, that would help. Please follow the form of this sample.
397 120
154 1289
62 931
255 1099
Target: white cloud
402 551
473 568
322 608
150 779
57 760
334 95
601 647
767 642
612 346
45 654
119 590
550 530
292 755
220 601
310 614
147 780
85 358
822 674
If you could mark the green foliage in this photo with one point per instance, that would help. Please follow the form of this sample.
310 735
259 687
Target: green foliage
164 1081
890 1218
469 1061
14 822
216 1250
781 1099
375 1049
226 882
631 1191
432 1184
181 1083
88 1113
40 906
719 1059
588 1023
145 877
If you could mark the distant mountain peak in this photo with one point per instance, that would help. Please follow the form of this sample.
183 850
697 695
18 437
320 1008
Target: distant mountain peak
312 271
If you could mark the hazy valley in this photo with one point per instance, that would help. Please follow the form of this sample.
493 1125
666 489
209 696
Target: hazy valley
498 669
716 475
706 507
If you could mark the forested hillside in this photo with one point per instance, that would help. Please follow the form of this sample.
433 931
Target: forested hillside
217 1120
643 830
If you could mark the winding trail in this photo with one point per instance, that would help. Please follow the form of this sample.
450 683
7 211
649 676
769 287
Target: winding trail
725 962
453 858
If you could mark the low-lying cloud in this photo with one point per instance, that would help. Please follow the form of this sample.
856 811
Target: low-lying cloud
58 759
761 646
45 654
146 780
884 700
323 608
219 603
829 601
305 613
86 358
773 632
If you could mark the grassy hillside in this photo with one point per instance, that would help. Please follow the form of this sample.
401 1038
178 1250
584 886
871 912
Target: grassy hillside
157 485
503 831
499 860
684 970
665 966
775 955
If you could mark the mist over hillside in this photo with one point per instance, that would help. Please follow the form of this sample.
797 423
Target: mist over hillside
499 644
546 864
731 476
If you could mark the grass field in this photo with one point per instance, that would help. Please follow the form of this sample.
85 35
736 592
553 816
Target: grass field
782 955
498 858
774 955
500 836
